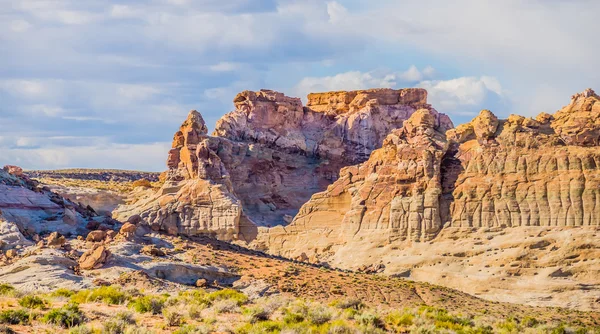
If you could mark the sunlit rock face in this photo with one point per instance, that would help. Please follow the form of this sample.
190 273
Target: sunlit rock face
269 156
529 172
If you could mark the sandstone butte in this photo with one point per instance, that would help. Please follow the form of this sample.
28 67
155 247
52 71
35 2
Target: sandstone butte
268 157
378 178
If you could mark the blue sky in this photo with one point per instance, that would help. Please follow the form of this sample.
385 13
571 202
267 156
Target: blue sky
105 84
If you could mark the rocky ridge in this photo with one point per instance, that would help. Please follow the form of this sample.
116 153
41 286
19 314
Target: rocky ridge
269 156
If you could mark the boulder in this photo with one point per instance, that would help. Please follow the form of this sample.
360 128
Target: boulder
96 236
94 258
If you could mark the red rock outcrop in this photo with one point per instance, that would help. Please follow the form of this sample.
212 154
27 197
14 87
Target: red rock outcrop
395 194
269 156
488 173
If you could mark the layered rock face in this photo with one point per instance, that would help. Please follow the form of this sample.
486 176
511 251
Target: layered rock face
197 196
396 194
35 209
269 156
529 172
499 201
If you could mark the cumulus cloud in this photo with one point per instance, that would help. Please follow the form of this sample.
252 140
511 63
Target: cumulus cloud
462 95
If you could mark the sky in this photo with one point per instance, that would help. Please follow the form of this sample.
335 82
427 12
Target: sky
105 84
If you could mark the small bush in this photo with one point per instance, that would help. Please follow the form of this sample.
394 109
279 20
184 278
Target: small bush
106 294
32 302
138 330
228 294
173 317
189 329
147 304
14 317
67 316
81 330
66 293
260 328
226 306
256 314
118 324
6 290
295 313
319 315
369 320
399 320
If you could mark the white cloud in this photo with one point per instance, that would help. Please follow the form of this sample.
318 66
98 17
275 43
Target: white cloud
336 11
19 26
47 110
429 71
26 88
137 92
224 67
412 74
123 11
451 95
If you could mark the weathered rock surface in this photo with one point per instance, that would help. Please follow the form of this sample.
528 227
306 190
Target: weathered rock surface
266 158
395 194
35 209
530 179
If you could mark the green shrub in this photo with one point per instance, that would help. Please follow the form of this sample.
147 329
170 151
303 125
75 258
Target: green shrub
399 320
260 328
147 304
256 314
67 316
66 293
173 317
319 315
118 324
295 313
81 330
6 289
189 329
369 319
106 294
14 317
340 327
32 302
228 294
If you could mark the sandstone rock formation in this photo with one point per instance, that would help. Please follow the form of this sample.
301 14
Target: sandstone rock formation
529 172
35 209
266 158
537 178
396 193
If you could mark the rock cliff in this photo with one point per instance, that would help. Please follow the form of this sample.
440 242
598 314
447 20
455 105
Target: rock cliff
269 156
498 200
529 172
